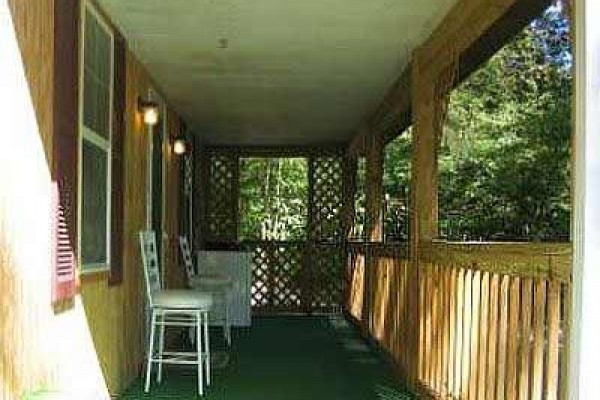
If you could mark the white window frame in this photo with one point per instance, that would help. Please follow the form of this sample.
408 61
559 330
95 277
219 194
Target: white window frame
95 139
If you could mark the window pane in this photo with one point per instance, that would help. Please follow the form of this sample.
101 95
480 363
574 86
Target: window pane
94 205
97 77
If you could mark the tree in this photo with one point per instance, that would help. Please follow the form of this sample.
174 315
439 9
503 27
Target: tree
396 186
504 161
273 198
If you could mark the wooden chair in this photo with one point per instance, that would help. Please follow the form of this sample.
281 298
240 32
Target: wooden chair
181 308
218 284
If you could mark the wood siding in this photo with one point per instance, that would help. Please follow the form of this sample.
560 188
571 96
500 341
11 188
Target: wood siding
116 313
174 271
41 346
94 343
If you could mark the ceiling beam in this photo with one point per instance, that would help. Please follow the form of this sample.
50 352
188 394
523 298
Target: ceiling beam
391 116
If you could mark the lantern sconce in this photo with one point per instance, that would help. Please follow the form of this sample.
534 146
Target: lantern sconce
149 111
179 146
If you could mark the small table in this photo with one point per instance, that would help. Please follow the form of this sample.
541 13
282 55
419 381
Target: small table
236 266
220 285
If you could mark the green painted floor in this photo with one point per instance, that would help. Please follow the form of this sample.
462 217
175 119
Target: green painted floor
288 358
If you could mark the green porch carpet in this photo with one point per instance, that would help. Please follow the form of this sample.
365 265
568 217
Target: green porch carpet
288 358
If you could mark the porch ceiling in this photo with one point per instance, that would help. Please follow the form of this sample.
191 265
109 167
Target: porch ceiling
272 72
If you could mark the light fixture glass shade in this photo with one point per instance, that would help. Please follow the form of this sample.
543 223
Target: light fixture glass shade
149 110
179 146
151 116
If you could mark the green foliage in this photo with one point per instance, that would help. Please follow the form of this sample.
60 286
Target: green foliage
504 161
396 186
360 201
273 198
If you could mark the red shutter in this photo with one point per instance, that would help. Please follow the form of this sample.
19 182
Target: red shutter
117 148
63 256
65 149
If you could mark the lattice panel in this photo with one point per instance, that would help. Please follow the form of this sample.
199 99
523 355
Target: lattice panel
327 277
222 202
299 277
278 276
326 198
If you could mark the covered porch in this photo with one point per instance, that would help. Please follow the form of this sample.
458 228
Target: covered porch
339 310
290 357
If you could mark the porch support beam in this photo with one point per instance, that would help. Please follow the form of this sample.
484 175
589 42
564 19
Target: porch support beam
424 203
585 346
373 149
393 115
374 157
348 194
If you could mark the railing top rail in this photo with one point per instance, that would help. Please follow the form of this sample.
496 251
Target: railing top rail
530 260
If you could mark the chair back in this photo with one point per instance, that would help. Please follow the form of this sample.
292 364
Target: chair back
186 254
150 261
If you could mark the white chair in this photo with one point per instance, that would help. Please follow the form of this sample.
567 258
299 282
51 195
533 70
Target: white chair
218 284
182 308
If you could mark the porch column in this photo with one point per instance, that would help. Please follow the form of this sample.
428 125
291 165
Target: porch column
348 194
374 186
200 186
374 234
585 343
424 195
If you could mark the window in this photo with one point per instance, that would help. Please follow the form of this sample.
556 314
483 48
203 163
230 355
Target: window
95 136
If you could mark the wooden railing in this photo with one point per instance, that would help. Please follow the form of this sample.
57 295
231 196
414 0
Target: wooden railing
490 319
378 297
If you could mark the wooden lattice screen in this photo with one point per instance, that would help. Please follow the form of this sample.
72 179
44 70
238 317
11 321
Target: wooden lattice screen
325 233
300 276
327 276
279 279
325 198
221 214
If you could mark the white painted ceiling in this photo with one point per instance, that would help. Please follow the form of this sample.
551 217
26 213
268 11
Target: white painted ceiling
291 72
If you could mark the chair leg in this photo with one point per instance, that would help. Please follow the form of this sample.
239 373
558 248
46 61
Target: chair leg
161 349
206 349
199 351
150 351
192 336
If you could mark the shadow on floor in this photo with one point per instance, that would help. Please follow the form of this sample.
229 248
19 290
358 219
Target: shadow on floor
289 358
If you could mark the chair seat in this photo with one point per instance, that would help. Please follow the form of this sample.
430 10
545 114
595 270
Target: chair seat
182 299
217 281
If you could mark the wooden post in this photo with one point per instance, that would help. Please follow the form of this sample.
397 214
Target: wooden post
235 199
374 188
584 344
348 194
374 154
424 207
312 237
200 186
348 211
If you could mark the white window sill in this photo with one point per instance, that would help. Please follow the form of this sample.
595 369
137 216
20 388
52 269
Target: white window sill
90 269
